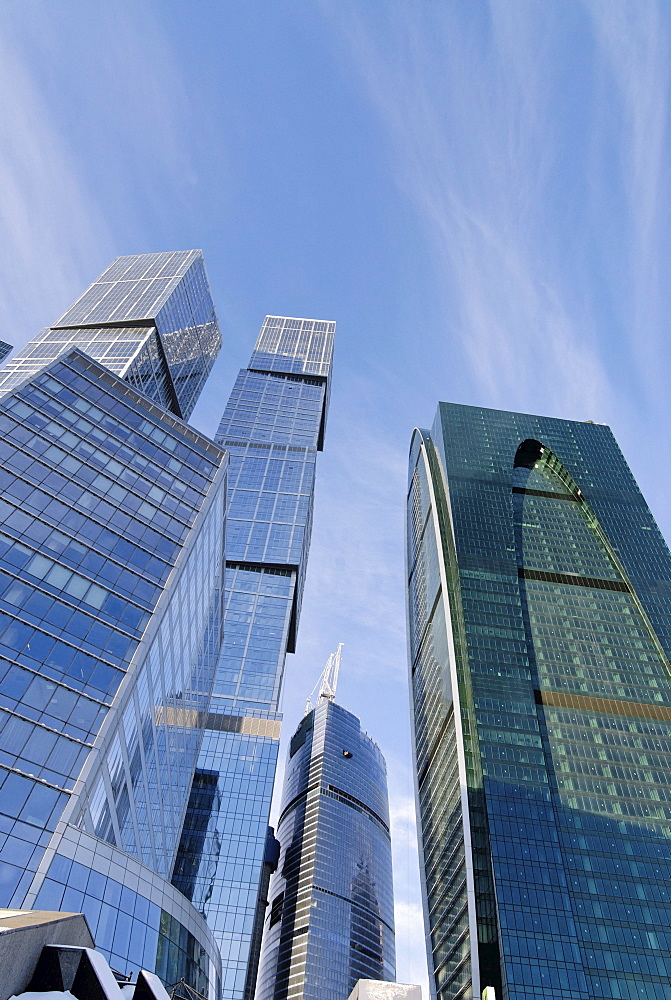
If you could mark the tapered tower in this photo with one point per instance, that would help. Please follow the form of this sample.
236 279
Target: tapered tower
330 920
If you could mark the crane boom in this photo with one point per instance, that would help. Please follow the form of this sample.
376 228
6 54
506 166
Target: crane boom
328 681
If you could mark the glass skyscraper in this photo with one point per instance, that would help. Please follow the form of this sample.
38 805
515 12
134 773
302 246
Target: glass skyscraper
111 584
5 349
149 318
272 427
539 634
331 915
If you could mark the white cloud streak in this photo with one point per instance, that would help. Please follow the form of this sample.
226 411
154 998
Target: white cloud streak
469 98
89 158
47 217
634 47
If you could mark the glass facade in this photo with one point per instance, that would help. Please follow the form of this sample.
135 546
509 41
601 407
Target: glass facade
149 318
331 916
137 919
111 584
5 349
272 428
539 594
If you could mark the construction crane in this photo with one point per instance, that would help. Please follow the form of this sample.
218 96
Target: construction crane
328 681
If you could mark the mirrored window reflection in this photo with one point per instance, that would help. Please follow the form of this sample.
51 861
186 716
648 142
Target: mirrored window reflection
132 932
99 495
273 426
330 920
559 616
149 318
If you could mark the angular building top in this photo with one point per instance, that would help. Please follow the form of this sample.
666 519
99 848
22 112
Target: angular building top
273 425
149 318
301 346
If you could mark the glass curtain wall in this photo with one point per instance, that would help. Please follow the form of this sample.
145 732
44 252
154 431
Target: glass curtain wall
111 591
111 559
273 427
149 318
331 916
539 598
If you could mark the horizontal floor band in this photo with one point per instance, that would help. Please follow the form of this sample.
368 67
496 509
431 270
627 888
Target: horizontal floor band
43 725
293 802
348 799
357 905
545 493
33 777
608 706
283 569
572 579
191 718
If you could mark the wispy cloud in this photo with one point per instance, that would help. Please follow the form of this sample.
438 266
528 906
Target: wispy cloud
50 224
363 464
410 956
472 99
89 156
408 915
633 46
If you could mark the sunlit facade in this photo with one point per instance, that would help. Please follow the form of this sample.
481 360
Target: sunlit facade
272 427
149 318
539 635
330 920
111 586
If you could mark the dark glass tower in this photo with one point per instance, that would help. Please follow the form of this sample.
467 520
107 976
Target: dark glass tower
331 915
111 578
148 318
5 349
539 634
273 426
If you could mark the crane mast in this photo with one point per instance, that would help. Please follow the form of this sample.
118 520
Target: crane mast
328 681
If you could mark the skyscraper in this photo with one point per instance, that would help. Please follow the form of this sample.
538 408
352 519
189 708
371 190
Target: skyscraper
331 916
149 318
273 426
5 349
111 578
539 634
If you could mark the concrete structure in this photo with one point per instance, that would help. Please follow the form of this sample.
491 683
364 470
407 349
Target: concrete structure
50 956
378 989
24 933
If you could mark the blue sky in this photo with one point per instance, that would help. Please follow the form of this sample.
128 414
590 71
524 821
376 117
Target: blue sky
478 194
